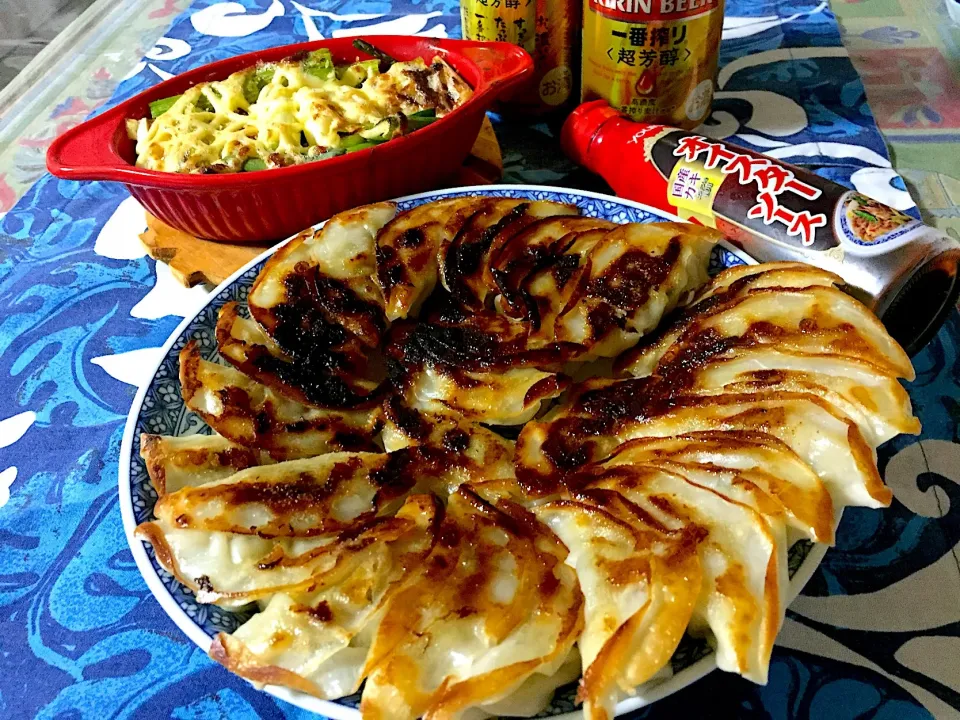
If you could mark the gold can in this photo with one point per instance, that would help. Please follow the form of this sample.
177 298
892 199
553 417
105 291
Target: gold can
653 60
547 29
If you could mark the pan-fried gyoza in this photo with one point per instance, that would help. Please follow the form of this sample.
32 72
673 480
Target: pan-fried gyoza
363 488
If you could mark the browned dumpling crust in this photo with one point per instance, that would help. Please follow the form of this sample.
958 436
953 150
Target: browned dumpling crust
468 453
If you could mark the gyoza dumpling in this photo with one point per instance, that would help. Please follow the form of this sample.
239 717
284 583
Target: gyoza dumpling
177 462
318 290
316 639
718 294
232 570
464 264
864 392
340 379
477 453
769 462
408 251
740 279
616 411
478 365
551 290
640 580
813 320
637 273
314 496
253 415
743 558
493 604
245 536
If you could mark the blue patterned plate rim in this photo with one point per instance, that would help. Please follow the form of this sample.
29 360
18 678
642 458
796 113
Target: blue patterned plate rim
596 204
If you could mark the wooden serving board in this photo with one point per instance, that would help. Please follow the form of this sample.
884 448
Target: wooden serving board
194 261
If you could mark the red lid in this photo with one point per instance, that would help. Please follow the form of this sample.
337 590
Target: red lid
582 127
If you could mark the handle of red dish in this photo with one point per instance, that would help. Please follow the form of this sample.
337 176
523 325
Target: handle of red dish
89 150
502 65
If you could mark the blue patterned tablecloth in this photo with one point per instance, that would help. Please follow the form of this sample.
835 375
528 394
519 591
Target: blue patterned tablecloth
83 314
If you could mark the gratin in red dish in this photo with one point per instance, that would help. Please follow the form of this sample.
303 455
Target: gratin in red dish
275 203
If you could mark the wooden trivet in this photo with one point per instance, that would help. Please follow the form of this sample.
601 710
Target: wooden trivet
194 261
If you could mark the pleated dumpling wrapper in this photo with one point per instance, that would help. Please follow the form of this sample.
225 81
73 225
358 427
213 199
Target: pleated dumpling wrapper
501 370
637 273
757 457
607 416
254 415
322 278
267 528
477 453
316 639
192 460
408 252
333 384
743 557
806 314
493 605
640 578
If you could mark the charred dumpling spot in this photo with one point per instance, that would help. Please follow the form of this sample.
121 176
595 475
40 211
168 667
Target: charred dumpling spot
809 316
467 262
462 258
253 415
408 248
472 452
637 273
508 397
539 245
319 377
324 280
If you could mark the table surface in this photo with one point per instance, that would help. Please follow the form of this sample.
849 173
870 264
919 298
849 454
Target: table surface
877 632
907 52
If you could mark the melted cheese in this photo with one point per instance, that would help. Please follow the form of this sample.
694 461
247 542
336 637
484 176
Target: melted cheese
293 107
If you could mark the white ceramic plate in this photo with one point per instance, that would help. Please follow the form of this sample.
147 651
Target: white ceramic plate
158 408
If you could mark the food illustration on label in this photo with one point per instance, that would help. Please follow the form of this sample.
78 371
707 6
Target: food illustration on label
870 221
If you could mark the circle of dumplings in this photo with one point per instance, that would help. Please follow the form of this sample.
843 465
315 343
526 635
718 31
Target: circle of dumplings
163 412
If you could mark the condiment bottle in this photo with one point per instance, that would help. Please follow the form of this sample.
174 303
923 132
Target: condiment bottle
654 60
905 271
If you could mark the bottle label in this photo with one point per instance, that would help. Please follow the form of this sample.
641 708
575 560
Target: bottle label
654 60
512 21
693 188
743 192
547 29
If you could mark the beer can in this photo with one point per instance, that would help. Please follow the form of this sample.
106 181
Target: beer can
653 60
903 270
548 29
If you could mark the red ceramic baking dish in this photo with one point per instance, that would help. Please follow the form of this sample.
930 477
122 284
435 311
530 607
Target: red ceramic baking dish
272 204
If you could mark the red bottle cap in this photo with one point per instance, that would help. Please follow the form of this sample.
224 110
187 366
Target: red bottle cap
582 128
